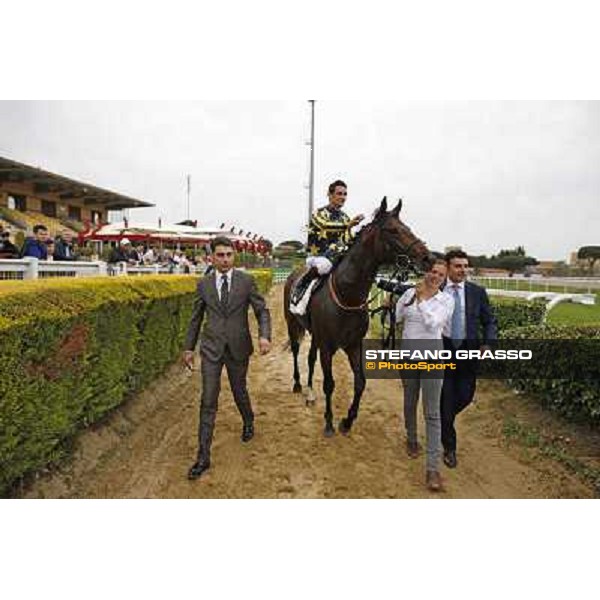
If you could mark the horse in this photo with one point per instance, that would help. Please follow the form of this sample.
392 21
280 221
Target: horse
339 317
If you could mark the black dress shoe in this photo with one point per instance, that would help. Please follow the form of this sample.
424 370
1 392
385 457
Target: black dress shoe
247 432
197 470
450 459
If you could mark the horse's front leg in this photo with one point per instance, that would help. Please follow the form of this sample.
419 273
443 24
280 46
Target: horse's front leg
328 387
355 360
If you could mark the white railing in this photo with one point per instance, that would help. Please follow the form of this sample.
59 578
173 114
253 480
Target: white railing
32 268
125 269
281 275
552 298
533 284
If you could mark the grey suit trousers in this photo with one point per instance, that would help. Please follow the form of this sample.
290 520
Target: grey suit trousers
211 386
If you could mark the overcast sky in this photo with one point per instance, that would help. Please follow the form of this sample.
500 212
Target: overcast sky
484 175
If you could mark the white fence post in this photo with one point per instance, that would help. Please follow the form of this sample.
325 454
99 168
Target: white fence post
32 270
102 268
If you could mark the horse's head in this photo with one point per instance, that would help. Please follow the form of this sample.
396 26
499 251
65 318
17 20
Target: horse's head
391 238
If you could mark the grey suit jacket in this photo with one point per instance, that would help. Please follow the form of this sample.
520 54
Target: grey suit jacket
227 327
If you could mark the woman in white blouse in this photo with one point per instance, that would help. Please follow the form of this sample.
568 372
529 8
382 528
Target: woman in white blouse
425 310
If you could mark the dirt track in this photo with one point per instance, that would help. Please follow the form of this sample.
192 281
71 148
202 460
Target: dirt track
146 447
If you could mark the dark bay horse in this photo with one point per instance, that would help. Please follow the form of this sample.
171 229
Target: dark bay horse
339 316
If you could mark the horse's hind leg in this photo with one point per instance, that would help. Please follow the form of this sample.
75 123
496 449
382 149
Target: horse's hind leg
355 360
312 359
328 387
295 329
295 346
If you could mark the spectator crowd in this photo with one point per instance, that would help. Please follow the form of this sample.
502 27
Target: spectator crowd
148 255
40 246
63 247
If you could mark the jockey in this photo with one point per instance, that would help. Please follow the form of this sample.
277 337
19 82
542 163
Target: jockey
329 234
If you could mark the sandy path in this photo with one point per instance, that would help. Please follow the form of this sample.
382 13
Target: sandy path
145 448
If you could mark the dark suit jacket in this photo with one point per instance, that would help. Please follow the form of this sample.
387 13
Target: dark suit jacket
227 327
60 250
481 324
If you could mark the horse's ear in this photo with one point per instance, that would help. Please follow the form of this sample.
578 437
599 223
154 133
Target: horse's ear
396 210
381 211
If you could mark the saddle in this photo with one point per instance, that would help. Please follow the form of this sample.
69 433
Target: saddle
302 292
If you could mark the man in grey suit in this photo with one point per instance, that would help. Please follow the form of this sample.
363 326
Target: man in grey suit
224 296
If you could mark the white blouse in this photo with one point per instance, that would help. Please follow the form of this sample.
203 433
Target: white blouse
424 320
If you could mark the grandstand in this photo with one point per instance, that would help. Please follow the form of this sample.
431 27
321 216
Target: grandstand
29 195
26 221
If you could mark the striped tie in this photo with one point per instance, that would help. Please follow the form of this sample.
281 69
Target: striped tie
224 291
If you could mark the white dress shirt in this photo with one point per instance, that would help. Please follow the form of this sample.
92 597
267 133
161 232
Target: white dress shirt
449 290
219 281
427 319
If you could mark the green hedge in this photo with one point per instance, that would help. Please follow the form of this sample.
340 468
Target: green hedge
512 312
560 389
72 350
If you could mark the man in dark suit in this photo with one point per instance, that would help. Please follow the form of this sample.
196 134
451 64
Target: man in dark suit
224 296
64 247
471 311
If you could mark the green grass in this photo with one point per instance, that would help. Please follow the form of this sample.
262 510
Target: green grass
568 313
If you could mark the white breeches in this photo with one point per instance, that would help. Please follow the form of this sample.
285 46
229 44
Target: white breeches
322 264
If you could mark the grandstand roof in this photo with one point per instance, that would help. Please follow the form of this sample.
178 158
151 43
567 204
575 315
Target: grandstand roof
169 233
66 188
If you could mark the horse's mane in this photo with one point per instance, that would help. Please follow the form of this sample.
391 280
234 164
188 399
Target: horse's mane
358 237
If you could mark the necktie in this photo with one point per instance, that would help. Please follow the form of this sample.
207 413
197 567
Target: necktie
224 291
457 318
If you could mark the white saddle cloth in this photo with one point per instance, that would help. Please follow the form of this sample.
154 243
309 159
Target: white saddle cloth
300 307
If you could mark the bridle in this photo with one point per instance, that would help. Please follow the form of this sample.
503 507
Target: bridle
404 252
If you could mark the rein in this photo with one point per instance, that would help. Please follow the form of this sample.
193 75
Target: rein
336 298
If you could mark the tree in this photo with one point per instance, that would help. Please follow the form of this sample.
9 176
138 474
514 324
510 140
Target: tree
291 244
290 250
513 260
589 253
518 251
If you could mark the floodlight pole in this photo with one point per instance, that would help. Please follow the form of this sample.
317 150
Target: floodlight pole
189 187
311 182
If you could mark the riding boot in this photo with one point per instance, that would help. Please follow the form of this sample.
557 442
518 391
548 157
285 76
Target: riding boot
303 283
